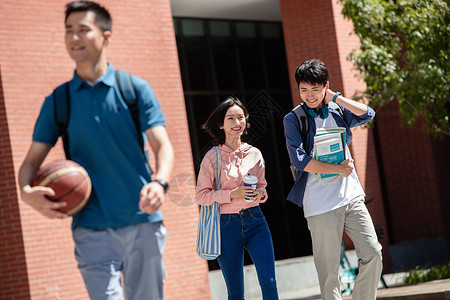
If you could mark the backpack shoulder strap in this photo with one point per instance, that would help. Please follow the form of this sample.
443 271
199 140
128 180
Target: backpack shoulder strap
128 93
126 87
337 108
61 107
302 120
303 125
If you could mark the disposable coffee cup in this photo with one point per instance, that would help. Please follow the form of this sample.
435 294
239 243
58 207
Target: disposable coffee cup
252 181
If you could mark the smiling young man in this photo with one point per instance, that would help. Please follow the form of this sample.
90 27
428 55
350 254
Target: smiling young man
120 230
335 204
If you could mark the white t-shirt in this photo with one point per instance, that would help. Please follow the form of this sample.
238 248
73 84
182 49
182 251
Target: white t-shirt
324 195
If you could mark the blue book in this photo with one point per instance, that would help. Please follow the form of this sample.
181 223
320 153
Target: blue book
329 147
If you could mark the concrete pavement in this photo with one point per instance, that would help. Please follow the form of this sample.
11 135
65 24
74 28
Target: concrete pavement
297 280
433 290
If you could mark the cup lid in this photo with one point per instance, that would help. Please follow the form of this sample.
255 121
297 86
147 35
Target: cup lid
250 179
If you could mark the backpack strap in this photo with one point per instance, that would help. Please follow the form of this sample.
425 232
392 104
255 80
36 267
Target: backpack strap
61 108
337 108
303 125
302 120
61 97
128 93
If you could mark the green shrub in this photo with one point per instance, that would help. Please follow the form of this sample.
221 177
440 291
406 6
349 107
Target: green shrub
419 275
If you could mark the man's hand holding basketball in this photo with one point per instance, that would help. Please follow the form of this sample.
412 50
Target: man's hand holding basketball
36 197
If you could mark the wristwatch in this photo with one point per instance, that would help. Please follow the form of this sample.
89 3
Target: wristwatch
163 183
335 96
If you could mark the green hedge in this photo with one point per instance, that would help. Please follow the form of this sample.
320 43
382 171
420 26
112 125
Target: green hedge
419 275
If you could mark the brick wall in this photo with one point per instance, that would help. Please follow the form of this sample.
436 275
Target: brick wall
36 254
12 256
411 178
316 29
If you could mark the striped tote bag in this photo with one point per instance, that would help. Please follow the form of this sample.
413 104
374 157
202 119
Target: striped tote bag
208 231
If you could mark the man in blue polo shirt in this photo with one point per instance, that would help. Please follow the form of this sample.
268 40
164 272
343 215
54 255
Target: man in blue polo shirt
120 230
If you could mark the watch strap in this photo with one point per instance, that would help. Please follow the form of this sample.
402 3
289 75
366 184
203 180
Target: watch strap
335 96
163 183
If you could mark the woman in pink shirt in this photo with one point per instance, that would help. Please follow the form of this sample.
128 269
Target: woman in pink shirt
243 225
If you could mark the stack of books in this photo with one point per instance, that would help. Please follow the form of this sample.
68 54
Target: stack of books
329 147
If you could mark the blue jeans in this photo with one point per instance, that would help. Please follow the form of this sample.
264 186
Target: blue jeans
247 230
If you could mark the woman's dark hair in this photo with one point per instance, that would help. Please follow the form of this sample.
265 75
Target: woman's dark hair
216 118
313 72
102 17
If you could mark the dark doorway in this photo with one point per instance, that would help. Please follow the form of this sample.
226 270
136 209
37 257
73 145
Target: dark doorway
245 59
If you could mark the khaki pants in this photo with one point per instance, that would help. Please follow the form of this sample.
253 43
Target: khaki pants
326 233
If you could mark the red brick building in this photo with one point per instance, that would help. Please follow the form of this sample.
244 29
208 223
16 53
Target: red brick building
403 170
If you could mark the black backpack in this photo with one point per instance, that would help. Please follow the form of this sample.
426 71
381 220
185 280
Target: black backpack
61 103
303 122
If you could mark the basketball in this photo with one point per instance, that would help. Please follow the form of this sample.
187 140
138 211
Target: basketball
69 180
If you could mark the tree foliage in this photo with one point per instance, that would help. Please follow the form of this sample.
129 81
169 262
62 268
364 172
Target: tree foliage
404 56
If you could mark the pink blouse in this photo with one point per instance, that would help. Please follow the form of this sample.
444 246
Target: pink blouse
235 165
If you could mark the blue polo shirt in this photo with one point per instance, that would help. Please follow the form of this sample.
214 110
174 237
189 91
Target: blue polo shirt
103 139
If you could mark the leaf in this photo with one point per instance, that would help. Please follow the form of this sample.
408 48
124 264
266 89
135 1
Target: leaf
404 55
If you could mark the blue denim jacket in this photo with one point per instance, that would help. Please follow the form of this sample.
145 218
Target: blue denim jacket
301 152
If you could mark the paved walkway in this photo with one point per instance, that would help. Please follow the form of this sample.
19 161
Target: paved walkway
433 290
